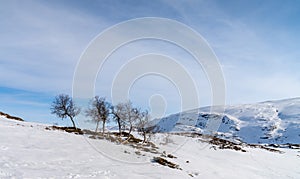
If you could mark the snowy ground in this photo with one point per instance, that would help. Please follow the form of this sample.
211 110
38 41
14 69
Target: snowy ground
27 150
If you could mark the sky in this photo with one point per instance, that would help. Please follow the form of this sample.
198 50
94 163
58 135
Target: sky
256 43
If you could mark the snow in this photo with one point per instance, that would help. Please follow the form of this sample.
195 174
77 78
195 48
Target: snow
271 122
27 150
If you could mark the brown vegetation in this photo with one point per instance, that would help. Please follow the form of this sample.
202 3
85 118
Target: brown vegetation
67 129
165 162
225 144
10 117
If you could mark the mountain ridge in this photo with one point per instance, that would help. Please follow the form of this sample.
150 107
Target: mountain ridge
270 122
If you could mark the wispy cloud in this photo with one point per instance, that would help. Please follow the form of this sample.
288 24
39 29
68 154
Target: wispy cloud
256 42
41 42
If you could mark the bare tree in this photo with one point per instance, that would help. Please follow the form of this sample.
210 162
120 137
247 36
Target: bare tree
117 111
133 116
98 111
142 124
63 106
125 113
130 115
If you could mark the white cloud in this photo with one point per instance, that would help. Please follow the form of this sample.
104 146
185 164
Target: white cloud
41 44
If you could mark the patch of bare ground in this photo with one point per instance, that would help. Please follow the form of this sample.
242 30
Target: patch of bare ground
125 139
165 162
11 117
288 145
264 147
225 144
73 130
238 146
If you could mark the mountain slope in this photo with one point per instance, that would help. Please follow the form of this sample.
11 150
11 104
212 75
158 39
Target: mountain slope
271 122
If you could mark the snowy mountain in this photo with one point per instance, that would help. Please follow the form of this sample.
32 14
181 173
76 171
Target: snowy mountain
32 150
270 122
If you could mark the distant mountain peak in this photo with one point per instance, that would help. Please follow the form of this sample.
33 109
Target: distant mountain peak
270 122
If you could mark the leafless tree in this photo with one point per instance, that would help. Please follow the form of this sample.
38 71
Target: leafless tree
63 106
98 111
126 114
117 112
142 124
130 115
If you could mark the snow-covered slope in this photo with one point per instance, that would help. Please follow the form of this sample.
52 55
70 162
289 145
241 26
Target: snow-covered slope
28 150
276 122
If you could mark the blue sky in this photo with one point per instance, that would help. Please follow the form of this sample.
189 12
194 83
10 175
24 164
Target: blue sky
256 42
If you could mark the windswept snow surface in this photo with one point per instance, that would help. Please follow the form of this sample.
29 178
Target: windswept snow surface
27 150
271 122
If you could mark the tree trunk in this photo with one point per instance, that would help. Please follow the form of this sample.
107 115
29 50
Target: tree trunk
97 126
73 122
103 127
130 129
144 134
119 124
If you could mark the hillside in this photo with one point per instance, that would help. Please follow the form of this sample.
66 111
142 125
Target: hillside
32 150
271 122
